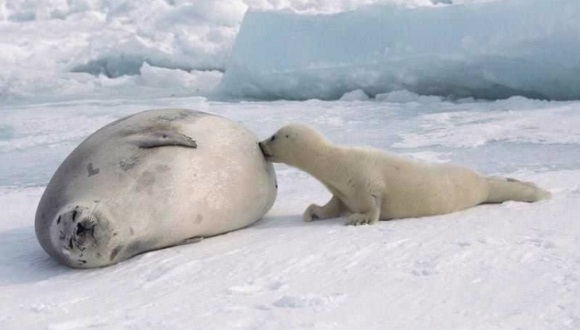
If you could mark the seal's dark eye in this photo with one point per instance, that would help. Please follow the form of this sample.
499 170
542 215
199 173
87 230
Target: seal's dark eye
273 138
287 136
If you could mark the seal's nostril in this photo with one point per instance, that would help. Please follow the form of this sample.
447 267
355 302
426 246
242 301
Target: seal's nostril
85 232
80 229
86 226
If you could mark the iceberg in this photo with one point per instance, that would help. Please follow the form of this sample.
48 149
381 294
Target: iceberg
489 50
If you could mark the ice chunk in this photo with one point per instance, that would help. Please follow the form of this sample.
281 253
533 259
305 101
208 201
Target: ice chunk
484 50
404 96
356 95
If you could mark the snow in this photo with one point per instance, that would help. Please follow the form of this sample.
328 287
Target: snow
69 67
54 50
513 265
453 51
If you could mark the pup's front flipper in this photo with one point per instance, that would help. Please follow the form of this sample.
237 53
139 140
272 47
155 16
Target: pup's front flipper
332 209
357 219
372 203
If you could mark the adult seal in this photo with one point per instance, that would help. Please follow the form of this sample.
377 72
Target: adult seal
155 179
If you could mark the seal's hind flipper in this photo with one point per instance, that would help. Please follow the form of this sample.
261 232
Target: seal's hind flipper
155 139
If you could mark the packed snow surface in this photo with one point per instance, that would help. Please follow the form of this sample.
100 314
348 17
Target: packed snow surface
484 50
507 266
69 67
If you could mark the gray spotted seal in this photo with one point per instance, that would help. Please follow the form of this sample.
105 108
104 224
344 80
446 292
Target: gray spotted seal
151 180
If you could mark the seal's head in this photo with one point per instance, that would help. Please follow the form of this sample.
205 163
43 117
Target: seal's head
83 237
291 144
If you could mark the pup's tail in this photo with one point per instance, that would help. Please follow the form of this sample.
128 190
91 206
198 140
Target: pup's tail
507 189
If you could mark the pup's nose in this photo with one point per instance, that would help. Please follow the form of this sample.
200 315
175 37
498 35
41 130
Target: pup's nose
262 148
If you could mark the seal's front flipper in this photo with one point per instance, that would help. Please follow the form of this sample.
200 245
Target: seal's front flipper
155 139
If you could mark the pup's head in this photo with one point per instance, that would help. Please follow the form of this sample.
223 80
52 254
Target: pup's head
290 144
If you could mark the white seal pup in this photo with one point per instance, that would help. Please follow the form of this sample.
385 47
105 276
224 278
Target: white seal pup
151 180
370 185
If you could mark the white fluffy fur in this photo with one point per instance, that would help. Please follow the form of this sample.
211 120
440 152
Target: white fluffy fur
370 185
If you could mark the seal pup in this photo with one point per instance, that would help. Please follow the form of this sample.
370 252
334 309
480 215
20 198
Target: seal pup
369 184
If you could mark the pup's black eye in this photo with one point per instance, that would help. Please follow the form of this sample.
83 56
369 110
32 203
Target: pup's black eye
273 138
287 136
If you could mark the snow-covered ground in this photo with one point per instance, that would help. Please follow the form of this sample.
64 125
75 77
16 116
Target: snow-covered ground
70 67
505 266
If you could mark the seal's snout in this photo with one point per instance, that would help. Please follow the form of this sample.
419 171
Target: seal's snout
263 150
77 228
81 234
